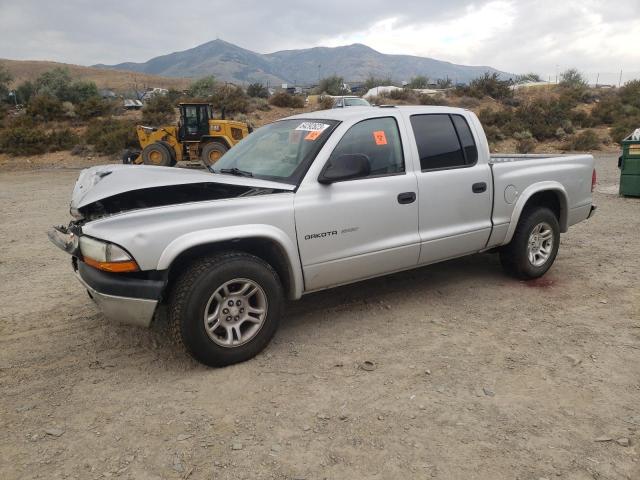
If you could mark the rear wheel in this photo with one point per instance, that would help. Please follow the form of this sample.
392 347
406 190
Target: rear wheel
212 152
156 154
534 245
225 308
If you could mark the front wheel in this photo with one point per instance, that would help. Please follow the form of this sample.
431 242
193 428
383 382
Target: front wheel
534 245
225 308
212 152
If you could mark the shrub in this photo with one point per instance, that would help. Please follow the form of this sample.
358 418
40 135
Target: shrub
526 143
419 82
488 85
229 99
64 139
110 136
283 99
403 94
45 108
5 80
623 127
203 87
94 107
432 100
159 110
333 85
257 90
584 141
573 79
468 102
23 140
325 102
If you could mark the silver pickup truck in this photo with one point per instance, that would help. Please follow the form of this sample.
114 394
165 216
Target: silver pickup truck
307 203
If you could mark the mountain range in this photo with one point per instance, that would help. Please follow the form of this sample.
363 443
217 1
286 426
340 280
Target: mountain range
229 62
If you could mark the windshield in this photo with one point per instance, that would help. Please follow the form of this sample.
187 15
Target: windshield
356 102
280 151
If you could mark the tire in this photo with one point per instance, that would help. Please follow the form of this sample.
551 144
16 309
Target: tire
212 152
172 152
193 297
130 156
156 154
537 224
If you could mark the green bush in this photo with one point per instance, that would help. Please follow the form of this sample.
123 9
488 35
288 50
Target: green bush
257 90
45 108
419 82
432 100
488 85
111 136
229 99
333 85
584 141
622 127
23 138
64 139
203 87
525 143
159 110
283 99
94 107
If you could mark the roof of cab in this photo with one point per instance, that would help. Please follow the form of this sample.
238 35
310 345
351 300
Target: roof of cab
359 113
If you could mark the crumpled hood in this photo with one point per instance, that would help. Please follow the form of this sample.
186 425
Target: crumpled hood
104 181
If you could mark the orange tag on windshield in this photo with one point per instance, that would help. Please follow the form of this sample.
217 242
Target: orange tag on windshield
380 137
313 134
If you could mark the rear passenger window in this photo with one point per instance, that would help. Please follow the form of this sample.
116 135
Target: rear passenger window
440 139
379 140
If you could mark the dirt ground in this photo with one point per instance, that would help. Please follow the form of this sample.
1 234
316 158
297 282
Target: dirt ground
477 376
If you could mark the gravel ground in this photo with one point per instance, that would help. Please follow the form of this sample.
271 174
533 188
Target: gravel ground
476 375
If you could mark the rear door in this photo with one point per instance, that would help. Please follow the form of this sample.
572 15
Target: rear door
360 228
454 188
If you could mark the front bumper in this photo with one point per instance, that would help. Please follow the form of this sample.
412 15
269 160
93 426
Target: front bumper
123 298
104 289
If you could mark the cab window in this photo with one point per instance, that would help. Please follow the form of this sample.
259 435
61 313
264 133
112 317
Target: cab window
443 141
379 140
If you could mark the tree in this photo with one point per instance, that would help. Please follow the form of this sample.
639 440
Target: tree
372 82
444 83
257 90
25 91
419 82
528 77
489 85
159 110
573 79
333 85
203 87
5 80
229 99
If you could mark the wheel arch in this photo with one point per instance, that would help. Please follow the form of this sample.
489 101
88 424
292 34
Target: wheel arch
549 194
214 138
265 242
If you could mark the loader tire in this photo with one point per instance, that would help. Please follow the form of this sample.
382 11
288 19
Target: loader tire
156 154
171 151
212 152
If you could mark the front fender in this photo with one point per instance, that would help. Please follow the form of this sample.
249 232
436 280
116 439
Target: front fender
214 235
526 195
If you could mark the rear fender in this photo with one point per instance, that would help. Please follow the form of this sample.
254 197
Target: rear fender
526 195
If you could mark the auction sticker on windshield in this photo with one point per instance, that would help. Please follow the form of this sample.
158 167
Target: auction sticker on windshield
313 127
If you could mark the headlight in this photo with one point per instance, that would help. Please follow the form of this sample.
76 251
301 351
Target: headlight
106 256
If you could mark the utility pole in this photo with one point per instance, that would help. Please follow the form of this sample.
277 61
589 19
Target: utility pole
597 78
620 80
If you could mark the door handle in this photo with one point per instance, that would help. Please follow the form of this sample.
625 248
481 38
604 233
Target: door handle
479 187
406 197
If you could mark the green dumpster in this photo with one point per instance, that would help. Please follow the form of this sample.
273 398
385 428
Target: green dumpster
629 164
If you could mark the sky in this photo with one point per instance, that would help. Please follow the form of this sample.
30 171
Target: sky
517 36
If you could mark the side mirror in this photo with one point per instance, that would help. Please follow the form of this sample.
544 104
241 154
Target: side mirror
345 167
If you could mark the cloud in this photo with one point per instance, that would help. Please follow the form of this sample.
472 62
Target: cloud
512 35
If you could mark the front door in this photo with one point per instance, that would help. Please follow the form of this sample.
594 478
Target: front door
195 122
360 228
455 190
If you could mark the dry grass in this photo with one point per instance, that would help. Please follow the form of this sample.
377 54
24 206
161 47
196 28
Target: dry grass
119 81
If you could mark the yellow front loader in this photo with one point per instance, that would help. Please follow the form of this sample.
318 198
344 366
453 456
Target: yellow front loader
198 136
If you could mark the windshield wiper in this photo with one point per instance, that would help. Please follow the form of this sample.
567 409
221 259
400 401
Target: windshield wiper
236 171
